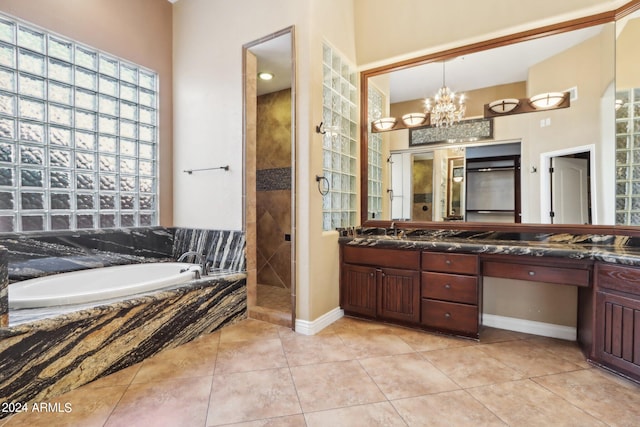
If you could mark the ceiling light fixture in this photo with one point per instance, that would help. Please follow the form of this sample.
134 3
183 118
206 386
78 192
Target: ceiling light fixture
414 119
547 100
384 123
442 109
502 106
264 75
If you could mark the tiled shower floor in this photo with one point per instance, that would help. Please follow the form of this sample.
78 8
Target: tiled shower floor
274 298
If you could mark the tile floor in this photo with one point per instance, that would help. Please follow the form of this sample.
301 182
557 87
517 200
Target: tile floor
354 373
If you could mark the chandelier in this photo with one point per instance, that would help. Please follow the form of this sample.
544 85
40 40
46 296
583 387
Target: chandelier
443 109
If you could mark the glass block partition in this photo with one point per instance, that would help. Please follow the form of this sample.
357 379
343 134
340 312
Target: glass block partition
339 143
628 157
78 135
377 102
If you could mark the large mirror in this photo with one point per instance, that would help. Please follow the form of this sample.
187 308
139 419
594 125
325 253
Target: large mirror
441 180
627 120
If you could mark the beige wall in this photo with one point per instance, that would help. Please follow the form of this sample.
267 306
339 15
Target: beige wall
138 31
627 64
475 100
405 28
208 121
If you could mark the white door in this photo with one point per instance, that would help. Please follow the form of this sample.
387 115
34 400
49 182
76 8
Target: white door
569 191
400 193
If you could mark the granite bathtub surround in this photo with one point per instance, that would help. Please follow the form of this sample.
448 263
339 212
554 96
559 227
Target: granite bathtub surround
40 254
4 289
617 249
42 359
45 352
225 249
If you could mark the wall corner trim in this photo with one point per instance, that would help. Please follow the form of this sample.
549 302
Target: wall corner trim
530 327
306 327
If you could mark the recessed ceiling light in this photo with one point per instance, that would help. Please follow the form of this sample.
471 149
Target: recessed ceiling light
265 75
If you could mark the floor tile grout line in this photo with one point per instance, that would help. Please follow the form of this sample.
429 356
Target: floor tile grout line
133 377
293 382
213 374
533 379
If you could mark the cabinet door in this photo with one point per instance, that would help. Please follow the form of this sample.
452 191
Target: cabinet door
358 290
399 295
618 332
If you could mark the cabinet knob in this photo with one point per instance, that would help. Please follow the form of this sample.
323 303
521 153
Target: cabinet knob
532 273
447 286
447 315
447 261
370 274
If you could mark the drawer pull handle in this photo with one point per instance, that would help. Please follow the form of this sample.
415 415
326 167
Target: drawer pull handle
447 315
532 273
447 286
447 261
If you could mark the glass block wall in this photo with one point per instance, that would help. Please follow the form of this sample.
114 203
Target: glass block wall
339 143
376 103
628 158
78 135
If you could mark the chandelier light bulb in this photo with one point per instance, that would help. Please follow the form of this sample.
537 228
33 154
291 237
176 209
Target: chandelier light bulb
443 109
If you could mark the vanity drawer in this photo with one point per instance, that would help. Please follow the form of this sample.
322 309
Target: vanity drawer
536 273
618 278
450 316
450 263
450 287
394 258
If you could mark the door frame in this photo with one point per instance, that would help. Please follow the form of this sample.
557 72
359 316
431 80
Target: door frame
545 180
249 176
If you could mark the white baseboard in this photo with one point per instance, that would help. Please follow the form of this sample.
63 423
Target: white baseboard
306 327
530 327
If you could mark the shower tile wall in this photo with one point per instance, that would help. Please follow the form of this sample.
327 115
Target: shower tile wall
273 189
422 190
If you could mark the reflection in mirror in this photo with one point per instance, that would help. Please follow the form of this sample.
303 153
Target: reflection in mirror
579 61
455 188
628 120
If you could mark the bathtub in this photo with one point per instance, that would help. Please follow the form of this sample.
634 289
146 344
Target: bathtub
88 286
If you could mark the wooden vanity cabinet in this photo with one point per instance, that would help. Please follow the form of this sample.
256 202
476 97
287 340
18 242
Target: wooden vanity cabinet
381 283
617 318
450 293
430 290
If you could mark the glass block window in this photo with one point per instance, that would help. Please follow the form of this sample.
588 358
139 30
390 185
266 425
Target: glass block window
339 146
628 158
78 135
376 103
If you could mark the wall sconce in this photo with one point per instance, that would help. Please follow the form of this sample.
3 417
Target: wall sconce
619 104
503 106
383 124
545 101
540 102
414 119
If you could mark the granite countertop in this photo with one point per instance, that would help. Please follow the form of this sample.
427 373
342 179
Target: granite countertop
606 248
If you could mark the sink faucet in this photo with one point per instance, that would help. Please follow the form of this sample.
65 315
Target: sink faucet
198 259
